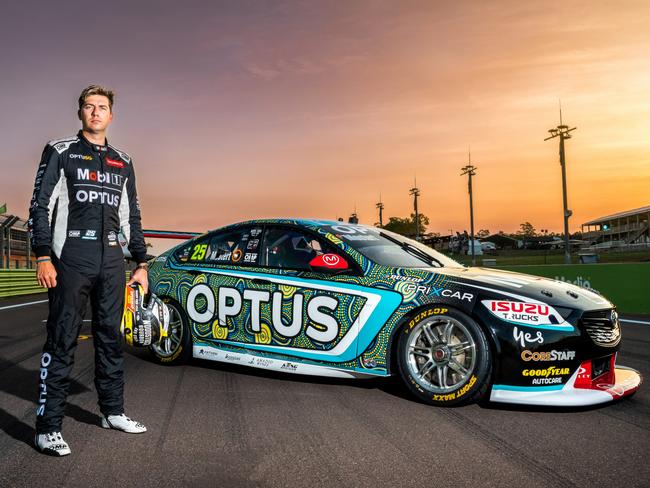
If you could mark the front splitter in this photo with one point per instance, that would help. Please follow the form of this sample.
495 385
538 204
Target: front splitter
626 383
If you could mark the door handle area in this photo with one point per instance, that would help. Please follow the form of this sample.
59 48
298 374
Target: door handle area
260 281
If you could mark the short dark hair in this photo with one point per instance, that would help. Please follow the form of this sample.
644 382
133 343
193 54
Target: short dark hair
96 90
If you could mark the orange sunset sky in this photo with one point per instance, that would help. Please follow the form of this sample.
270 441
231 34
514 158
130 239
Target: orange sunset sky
236 110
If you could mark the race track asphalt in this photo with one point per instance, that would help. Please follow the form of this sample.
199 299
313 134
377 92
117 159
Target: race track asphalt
217 425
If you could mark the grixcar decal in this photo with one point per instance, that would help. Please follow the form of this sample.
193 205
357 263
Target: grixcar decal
333 303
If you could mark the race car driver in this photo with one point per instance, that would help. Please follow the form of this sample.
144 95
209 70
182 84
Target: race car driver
84 194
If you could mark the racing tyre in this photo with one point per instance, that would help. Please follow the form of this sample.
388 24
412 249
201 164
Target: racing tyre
177 347
444 357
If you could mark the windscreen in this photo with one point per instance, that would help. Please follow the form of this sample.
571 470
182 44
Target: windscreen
390 249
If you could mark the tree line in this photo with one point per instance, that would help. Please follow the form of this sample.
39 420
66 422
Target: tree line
406 227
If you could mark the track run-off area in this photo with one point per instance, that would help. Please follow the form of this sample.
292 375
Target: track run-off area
212 424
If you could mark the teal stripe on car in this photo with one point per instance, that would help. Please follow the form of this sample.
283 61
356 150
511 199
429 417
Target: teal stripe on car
387 304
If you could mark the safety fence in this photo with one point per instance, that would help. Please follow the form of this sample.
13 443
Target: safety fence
15 282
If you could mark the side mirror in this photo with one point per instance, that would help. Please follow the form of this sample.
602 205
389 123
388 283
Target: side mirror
328 262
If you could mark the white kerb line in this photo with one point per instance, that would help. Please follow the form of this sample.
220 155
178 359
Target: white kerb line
22 304
635 321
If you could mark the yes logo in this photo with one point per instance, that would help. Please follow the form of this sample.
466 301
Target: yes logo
524 338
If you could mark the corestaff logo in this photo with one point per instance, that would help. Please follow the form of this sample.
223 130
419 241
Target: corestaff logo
553 355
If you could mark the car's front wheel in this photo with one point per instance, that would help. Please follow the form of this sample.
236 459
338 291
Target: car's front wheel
176 348
444 357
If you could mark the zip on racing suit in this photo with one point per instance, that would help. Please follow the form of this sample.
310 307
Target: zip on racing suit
84 194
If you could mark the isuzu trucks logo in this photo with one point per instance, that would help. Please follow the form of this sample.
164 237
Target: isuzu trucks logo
529 314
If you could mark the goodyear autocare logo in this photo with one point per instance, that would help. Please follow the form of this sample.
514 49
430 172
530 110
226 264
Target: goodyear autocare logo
548 376
545 373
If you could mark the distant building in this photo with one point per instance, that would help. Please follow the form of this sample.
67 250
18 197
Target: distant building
15 249
503 241
628 227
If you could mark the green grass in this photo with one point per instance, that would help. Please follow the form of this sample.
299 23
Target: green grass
623 277
627 285
529 257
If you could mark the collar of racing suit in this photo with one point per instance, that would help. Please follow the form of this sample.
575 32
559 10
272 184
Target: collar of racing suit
95 147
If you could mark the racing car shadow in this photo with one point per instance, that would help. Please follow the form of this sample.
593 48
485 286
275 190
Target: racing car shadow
506 407
369 383
390 385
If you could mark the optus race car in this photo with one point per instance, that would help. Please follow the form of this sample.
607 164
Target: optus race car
334 299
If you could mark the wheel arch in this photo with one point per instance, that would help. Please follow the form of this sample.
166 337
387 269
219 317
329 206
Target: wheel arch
391 360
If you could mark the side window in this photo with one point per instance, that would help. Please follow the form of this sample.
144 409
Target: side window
292 248
235 247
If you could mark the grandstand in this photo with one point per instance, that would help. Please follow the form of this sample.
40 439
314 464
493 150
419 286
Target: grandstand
628 228
15 248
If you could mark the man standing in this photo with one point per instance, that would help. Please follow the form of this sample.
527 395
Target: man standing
84 194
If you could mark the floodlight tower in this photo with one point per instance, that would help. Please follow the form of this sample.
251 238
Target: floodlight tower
380 206
470 170
415 191
563 132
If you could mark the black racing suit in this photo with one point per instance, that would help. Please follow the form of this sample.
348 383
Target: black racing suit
84 195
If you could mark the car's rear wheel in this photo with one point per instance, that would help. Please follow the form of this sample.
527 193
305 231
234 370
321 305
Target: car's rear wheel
444 357
176 348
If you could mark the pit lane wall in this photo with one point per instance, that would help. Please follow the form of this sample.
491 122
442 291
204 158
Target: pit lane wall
627 285
14 282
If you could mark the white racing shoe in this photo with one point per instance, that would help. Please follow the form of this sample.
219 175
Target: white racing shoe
52 444
123 423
